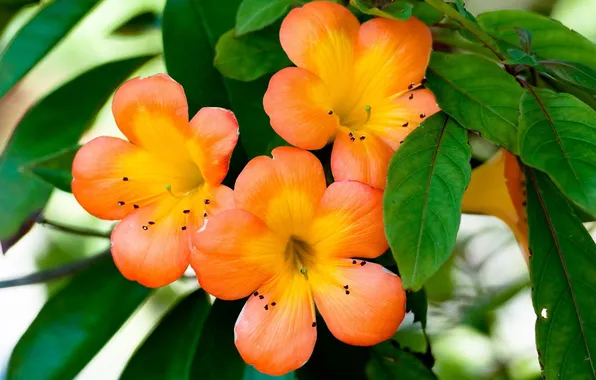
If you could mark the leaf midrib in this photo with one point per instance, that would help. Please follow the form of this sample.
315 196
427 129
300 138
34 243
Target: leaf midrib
427 195
469 96
558 139
564 265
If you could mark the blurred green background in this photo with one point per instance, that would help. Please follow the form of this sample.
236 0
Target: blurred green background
481 321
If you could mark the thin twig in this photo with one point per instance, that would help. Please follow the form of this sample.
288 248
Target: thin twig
72 230
470 26
55 273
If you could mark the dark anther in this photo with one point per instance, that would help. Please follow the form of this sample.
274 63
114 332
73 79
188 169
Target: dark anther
524 203
423 81
330 112
273 303
353 261
151 222
183 228
314 324
266 307
362 263
346 286
411 86
255 294
186 211
405 124
362 138
135 206
261 297
145 228
205 214
206 201
347 292
401 142
120 203
411 96
351 134
422 115
125 179
352 138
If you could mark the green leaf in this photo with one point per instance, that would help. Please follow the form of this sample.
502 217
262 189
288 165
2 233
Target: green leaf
250 373
6 244
170 349
333 359
550 38
16 3
140 23
55 169
557 134
256 134
255 15
417 304
426 13
216 357
246 98
38 37
206 21
525 39
75 324
560 86
459 5
427 177
8 8
519 57
183 31
49 126
249 57
465 86
395 10
575 74
563 272
388 361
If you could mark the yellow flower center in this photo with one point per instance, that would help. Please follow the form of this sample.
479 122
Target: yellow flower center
299 255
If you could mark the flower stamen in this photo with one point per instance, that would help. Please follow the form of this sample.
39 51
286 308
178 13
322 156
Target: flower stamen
367 108
169 190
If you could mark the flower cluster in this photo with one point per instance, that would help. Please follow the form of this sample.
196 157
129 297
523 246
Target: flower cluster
282 238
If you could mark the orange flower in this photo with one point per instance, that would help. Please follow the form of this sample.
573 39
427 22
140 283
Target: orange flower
163 183
355 84
497 188
290 244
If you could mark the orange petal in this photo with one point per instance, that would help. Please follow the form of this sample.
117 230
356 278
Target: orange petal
235 254
113 177
150 245
391 55
320 37
496 188
214 134
298 104
361 303
282 191
349 222
516 187
276 331
394 120
215 199
364 160
152 113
